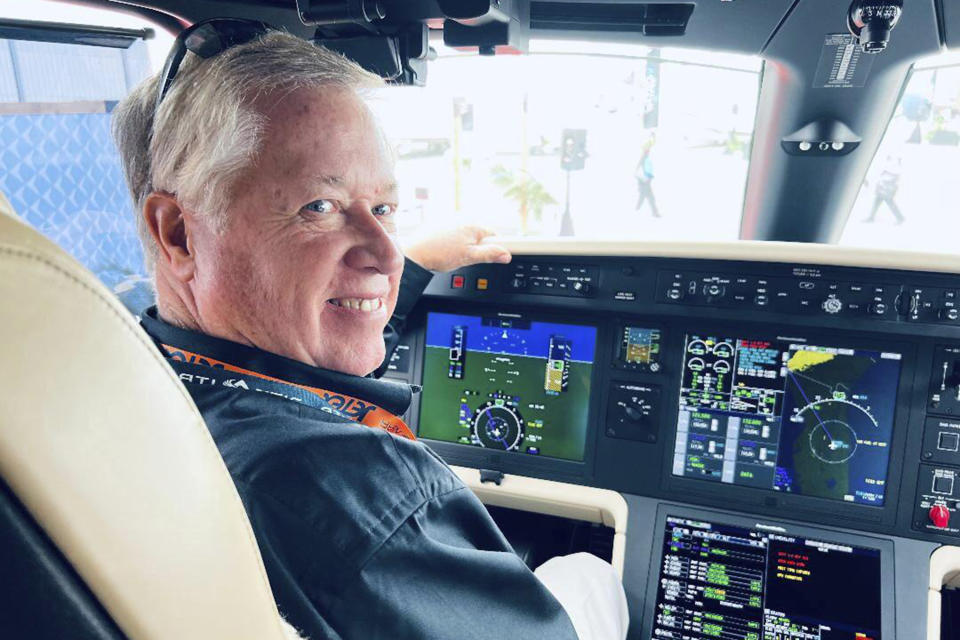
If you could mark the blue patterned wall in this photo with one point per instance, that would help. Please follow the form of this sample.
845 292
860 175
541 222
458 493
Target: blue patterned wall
61 172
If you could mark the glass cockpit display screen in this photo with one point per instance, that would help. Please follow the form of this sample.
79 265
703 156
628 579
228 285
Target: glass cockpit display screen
640 348
792 417
724 581
507 382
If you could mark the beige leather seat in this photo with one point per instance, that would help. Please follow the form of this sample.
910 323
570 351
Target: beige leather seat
104 448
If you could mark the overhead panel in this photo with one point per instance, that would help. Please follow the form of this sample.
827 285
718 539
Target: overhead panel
649 19
727 25
949 11
807 198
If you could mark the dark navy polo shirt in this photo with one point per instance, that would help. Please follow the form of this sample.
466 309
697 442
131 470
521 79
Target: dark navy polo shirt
363 534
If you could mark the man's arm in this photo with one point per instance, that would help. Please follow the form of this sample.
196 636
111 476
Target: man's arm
414 280
366 535
447 572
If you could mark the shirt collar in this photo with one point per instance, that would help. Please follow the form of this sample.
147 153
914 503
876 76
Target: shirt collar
392 396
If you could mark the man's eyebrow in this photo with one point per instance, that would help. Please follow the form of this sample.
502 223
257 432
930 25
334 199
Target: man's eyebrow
331 180
390 187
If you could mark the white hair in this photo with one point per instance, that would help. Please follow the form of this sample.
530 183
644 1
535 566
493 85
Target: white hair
207 130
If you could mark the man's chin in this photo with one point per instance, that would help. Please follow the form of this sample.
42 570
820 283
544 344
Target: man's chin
358 362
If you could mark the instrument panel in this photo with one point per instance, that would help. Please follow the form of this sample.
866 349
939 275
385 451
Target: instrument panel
823 401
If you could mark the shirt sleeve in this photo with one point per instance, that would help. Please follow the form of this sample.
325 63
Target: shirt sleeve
414 280
448 572
367 535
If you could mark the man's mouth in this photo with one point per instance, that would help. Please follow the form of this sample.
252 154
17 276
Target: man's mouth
358 304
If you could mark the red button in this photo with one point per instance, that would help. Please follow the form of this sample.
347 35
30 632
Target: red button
939 516
457 282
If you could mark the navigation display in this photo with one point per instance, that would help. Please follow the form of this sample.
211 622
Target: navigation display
787 416
507 382
722 581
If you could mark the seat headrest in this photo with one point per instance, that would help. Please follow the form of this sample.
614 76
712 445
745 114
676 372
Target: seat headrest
106 450
6 209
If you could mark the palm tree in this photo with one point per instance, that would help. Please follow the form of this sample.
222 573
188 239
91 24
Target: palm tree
526 190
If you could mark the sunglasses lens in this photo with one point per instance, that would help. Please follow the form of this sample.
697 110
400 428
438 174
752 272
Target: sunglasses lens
207 40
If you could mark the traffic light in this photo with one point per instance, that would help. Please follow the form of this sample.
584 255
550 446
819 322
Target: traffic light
573 149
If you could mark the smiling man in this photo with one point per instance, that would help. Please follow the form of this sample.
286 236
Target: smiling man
267 209
307 266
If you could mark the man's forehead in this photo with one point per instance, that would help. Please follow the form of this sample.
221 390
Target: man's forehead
383 183
331 112
327 138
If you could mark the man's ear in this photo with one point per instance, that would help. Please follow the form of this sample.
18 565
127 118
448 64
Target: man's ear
166 220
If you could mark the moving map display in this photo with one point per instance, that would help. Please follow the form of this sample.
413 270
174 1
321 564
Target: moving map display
507 382
792 417
723 581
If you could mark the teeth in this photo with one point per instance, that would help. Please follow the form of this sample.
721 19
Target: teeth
360 304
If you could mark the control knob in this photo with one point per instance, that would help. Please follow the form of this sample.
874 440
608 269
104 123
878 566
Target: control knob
940 516
949 313
833 305
581 287
908 303
714 290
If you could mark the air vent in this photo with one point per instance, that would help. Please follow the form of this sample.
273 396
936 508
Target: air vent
648 19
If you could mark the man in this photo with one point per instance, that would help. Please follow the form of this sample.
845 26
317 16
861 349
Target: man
644 175
267 205
886 190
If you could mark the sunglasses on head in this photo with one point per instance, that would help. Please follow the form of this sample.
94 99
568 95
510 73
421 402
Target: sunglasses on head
206 39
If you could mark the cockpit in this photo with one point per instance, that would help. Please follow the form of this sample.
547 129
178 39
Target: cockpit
725 356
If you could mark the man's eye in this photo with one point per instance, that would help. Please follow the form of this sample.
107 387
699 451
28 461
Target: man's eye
321 206
382 210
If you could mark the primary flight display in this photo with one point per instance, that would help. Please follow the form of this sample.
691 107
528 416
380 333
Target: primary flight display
508 382
787 416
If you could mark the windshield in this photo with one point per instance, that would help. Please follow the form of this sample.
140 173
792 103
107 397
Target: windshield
910 196
584 139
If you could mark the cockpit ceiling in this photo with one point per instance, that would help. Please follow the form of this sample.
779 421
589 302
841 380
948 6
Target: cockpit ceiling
730 25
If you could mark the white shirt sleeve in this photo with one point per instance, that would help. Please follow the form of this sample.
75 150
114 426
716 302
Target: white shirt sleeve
591 593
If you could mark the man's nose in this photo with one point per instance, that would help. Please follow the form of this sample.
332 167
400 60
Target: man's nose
376 248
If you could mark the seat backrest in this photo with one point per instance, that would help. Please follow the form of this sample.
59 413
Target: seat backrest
107 459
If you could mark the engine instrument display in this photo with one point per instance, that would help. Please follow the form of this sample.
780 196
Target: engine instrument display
787 416
724 581
507 382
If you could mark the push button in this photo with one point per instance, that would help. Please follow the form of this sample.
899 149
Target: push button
482 284
948 441
456 282
943 485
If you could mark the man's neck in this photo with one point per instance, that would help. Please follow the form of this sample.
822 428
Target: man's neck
175 305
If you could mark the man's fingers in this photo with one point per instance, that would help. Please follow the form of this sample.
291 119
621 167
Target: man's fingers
490 253
478 232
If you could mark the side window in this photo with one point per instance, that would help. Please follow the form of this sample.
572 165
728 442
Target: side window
59 168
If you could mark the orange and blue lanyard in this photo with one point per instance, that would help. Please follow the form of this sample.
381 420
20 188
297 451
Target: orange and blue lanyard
355 409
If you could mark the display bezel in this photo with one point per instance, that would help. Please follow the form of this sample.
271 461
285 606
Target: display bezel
699 490
665 510
513 462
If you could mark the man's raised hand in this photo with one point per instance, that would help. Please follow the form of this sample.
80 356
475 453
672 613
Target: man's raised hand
456 248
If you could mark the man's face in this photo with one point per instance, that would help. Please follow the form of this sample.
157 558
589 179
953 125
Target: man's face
307 266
